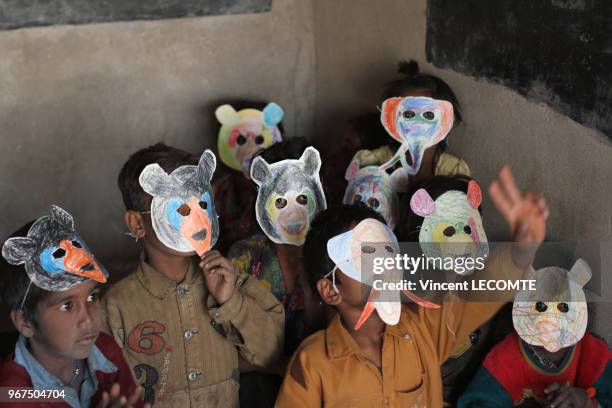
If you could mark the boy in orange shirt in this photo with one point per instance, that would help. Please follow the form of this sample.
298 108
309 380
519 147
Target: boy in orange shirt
383 365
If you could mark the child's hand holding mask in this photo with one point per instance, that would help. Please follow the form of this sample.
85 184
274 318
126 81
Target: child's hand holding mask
219 274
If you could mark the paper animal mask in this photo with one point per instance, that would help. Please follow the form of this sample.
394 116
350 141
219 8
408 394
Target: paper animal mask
371 238
289 196
375 188
416 122
182 210
53 254
244 133
555 315
452 225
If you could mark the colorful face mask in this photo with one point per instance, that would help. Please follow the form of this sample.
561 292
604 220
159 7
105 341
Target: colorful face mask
416 122
375 188
182 210
368 240
289 196
452 225
54 256
246 132
555 315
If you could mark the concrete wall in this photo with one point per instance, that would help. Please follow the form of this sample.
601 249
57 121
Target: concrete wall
358 45
75 101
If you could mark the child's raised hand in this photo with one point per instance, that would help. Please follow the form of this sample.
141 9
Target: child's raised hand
219 274
565 396
115 399
525 213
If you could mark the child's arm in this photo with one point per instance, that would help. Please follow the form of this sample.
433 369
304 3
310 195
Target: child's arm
252 317
484 391
526 216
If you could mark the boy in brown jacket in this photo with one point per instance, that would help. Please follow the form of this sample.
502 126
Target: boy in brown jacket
382 365
184 321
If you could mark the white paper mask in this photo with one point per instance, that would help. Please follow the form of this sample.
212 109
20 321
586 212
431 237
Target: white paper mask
182 209
555 315
54 256
452 225
371 238
289 196
375 188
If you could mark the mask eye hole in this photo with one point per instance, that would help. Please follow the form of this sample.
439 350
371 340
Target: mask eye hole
389 249
409 114
449 231
280 203
357 198
541 307
467 229
241 140
203 205
563 307
59 253
302 199
373 202
259 139
429 115
366 249
184 210
77 244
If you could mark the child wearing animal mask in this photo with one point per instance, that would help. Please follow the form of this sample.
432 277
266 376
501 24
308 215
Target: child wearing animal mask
423 153
444 216
246 129
184 316
289 196
393 357
363 139
551 360
49 281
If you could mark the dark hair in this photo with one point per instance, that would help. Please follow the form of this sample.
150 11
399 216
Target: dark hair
371 132
14 282
417 80
407 229
169 158
287 149
326 225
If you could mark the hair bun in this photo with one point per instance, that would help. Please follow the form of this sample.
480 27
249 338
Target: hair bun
408 68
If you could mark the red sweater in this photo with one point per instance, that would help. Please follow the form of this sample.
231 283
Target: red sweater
14 375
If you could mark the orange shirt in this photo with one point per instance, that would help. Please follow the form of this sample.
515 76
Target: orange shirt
337 373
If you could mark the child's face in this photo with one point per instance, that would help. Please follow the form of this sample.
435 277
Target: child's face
68 322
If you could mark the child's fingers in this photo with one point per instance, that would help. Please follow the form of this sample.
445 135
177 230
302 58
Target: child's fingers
114 393
212 263
509 185
500 200
135 396
210 255
551 388
104 400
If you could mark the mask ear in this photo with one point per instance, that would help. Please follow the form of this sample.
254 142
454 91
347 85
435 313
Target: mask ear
18 250
207 165
155 181
260 171
352 170
63 217
447 120
312 161
272 115
226 115
580 272
422 204
398 181
474 194
388 117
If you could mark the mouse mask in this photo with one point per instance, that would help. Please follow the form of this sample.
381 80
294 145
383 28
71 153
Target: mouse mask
182 210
